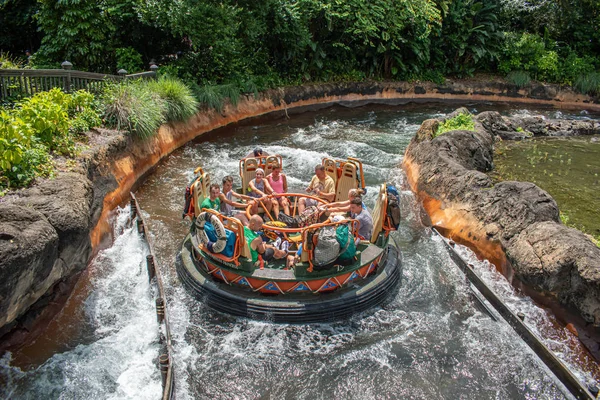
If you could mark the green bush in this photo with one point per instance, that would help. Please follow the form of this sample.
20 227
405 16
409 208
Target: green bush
132 106
528 52
83 112
129 59
48 115
180 103
7 61
37 126
572 66
462 122
588 83
211 96
519 78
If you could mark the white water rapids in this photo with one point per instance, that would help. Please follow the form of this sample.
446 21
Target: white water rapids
429 341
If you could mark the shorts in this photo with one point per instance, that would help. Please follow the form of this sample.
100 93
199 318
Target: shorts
311 202
268 254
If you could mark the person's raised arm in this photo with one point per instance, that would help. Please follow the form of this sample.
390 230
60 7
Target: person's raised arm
254 189
225 200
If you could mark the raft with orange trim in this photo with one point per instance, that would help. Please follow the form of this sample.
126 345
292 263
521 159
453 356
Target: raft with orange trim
229 281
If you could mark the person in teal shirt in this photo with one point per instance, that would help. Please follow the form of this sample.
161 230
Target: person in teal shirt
212 202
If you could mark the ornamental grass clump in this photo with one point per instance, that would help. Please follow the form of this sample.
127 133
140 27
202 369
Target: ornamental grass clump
213 96
132 106
179 101
462 122
519 78
588 83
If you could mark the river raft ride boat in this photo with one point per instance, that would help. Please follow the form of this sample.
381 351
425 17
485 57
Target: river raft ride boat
221 272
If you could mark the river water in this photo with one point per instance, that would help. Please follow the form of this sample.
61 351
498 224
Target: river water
429 341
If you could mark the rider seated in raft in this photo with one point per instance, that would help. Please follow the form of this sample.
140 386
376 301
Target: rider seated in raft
228 206
257 245
259 188
278 182
212 202
321 185
343 206
363 216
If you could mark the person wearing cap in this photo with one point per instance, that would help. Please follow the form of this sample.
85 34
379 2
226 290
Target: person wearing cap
257 152
259 188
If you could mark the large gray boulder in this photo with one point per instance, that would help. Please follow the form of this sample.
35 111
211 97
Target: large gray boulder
44 240
519 217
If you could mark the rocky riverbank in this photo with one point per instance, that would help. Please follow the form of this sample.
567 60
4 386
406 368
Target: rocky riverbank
49 232
515 224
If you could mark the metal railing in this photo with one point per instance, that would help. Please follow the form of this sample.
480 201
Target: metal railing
15 83
165 357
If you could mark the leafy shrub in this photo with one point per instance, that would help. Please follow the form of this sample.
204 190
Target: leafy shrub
15 137
180 103
588 83
528 53
129 59
573 66
47 113
35 161
83 112
462 122
7 61
131 105
519 78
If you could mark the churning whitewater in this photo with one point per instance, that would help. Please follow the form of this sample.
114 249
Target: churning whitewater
114 354
429 341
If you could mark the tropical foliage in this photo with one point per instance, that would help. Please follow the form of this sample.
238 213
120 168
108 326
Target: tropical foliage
275 42
37 127
461 122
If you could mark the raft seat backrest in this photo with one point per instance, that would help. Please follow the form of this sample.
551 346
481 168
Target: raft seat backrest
379 213
331 169
269 162
241 238
347 181
304 255
200 190
248 173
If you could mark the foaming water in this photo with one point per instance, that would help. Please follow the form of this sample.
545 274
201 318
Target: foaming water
429 341
115 355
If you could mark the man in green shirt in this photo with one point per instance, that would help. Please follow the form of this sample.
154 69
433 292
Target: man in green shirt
212 202
257 245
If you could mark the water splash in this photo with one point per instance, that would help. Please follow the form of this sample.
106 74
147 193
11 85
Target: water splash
118 359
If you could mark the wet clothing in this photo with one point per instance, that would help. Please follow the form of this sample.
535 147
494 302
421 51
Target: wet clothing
366 223
277 185
213 205
260 186
227 209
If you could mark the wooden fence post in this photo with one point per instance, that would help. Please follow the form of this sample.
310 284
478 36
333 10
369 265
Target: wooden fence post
67 67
